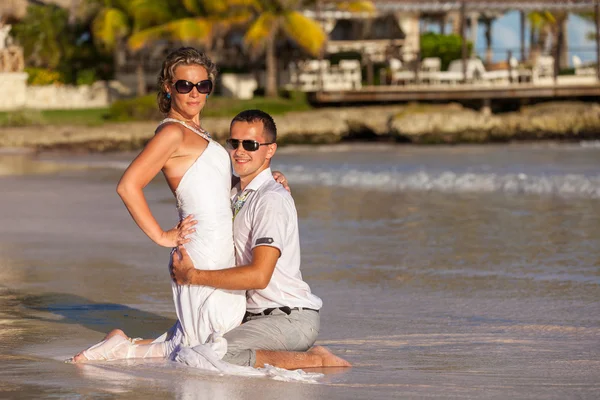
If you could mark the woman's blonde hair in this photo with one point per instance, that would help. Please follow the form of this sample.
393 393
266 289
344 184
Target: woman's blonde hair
181 56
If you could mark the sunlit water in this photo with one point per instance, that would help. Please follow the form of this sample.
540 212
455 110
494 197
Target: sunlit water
461 272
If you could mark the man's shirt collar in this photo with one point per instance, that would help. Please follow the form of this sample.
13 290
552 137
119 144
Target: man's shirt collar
256 183
260 179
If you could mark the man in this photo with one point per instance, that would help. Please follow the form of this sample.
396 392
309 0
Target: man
282 318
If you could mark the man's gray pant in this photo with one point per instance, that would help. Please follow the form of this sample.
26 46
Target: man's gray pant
277 331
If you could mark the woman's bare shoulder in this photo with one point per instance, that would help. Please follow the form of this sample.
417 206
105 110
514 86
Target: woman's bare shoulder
170 131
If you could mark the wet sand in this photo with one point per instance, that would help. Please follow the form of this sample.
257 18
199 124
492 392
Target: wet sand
428 294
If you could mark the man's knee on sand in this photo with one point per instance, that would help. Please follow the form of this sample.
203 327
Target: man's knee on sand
243 357
276 332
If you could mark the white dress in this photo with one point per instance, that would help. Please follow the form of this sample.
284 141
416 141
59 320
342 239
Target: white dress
204 192
204 313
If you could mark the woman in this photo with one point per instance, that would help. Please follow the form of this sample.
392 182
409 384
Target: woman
198 171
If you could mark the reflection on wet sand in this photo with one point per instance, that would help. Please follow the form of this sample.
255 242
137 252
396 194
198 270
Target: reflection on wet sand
27 164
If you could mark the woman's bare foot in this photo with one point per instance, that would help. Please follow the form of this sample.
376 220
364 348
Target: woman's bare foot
329 359
80 357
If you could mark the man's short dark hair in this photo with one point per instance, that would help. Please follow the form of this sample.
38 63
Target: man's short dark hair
251 116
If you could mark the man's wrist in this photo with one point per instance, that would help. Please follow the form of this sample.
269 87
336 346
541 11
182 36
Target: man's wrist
194 277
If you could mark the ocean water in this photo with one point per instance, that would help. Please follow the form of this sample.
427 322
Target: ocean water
446 272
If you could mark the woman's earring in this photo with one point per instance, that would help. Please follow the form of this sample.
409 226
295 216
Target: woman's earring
168 95
207 95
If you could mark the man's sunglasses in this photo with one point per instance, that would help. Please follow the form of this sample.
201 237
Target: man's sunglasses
248 145
185 87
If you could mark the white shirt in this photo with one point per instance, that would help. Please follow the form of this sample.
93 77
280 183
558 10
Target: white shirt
268 218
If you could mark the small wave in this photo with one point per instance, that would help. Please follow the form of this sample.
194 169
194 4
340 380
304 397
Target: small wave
450 182
594 144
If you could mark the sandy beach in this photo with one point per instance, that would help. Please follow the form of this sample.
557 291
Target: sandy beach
465 272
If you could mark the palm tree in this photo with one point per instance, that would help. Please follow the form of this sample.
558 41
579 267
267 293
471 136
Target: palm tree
545 23
207 21
118 19
203 22
540 22
591 17
276 18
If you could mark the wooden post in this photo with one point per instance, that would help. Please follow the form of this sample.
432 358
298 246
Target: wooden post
523 36
486 106
597 18
463 24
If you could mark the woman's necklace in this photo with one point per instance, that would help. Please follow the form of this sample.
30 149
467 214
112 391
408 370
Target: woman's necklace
190 125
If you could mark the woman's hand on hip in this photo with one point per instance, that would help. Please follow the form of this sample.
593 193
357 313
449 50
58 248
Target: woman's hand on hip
179 233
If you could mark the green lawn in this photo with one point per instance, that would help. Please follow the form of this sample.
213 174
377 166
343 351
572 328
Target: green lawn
145 108
226 107
54 117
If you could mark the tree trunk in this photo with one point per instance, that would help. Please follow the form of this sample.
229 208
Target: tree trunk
558 51
564 44
488 42
522 35
271 67
542 38
141 77
533 45
443 22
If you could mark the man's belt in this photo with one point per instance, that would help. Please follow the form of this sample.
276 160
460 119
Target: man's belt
285 309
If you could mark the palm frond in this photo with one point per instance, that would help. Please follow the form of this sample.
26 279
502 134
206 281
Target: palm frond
193 6
148 13
213 7
259 31
108 26
306 32
540 18
356 6
197 30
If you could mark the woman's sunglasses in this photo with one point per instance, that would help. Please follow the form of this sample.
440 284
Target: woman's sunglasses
248 145
185 87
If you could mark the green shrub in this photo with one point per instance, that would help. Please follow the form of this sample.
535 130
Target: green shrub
86 77
137 109
41 76
446 47
567 71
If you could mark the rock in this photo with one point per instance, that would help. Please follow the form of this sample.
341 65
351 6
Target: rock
569 120
420 124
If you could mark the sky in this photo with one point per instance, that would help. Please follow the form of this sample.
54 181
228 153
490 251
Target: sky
505 36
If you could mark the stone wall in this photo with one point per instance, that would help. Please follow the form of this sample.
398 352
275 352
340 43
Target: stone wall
13 87
17 95
67 96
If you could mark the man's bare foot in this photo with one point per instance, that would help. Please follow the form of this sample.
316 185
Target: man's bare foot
328 358
80 357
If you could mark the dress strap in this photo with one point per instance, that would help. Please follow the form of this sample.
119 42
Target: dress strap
202 133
